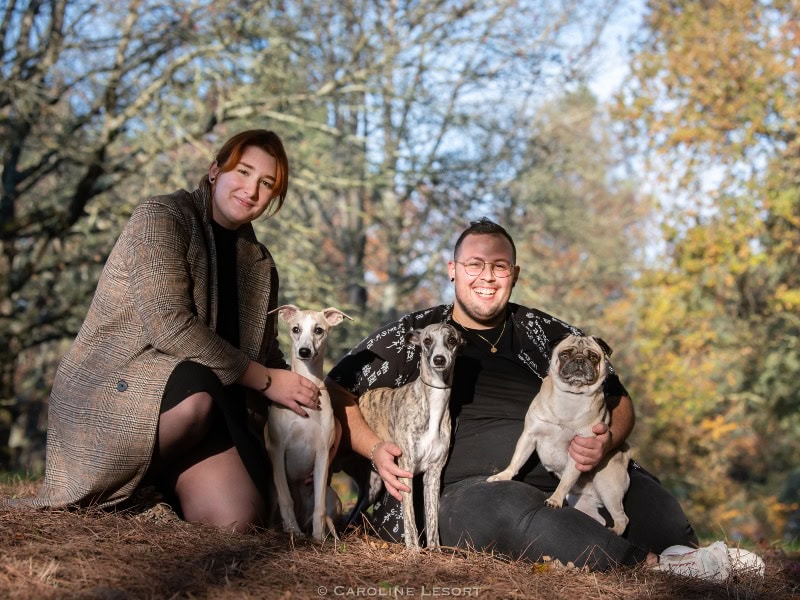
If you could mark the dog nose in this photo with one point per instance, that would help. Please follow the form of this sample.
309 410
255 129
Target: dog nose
439 360
304 352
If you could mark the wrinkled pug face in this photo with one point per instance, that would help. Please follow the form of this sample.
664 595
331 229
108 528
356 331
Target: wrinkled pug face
580 360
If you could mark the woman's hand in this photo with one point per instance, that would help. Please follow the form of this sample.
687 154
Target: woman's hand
293 391
383 461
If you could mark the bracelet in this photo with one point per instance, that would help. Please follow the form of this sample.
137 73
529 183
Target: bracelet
267 383
372 456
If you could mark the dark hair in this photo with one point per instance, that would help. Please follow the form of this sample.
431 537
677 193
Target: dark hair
231 153
484 226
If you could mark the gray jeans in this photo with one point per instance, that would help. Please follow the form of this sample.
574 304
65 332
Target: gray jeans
511 518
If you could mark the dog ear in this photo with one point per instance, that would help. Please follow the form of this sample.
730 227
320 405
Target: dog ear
455 333
461 341
334 316
556 341
602 343
413 337
286 311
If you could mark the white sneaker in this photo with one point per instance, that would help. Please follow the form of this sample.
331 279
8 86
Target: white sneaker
715 562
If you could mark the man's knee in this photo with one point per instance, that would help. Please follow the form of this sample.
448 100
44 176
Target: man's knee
477 513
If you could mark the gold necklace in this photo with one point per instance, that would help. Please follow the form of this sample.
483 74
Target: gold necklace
493 348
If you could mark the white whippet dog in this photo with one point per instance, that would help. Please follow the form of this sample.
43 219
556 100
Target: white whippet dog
299 445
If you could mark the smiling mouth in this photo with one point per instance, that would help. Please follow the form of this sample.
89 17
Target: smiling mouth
245 202
485 292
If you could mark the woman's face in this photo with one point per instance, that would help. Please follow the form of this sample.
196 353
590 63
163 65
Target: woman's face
242 194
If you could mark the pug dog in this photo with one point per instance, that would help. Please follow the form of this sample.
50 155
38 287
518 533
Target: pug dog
570 402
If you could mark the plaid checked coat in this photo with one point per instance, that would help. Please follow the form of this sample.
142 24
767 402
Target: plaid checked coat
155 305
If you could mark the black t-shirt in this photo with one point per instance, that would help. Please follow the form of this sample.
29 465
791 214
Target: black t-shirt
490 398
227 289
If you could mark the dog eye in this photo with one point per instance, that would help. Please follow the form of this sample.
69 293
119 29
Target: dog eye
452 340
319 331
563 355
427 341
295 329
594 357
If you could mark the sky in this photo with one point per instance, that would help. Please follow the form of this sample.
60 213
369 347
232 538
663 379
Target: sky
612 60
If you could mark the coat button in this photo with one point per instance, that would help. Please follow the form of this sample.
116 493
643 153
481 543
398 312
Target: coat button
122 385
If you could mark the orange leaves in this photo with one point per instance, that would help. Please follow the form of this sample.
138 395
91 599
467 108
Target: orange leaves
717 427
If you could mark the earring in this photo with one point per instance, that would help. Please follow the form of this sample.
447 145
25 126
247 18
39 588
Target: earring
452 279
211 179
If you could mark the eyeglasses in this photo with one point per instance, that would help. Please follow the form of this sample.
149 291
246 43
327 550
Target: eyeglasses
475 266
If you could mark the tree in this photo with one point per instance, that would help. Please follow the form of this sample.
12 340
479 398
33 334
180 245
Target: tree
392 114
76 77
440 90
713 101
578 219
93 95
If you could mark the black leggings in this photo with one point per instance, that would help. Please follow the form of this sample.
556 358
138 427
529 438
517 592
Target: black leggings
511 518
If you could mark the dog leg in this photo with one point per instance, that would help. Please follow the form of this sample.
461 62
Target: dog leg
610 488
588 503
277 455
526 444
318 522
409 523
409 518
333 511
433 483
569 478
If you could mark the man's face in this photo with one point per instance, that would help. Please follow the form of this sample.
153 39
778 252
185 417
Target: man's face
481 299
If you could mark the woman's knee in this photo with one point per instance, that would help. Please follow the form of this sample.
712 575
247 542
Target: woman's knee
217 490
183 428
192 415
198 409
230 515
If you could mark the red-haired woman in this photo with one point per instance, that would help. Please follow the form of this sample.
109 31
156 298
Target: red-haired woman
177 343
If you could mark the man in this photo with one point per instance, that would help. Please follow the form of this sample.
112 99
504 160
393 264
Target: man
497 374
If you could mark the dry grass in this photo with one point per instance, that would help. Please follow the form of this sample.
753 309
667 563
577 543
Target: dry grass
61 554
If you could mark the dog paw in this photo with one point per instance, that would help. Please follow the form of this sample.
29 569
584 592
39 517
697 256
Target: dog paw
501 476
619 528
295 533
553 503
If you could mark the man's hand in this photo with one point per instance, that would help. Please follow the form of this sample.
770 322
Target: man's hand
383 458
587 452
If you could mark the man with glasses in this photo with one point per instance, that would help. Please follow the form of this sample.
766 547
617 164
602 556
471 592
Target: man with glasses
498 372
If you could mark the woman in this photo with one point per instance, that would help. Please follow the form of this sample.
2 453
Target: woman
176 343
